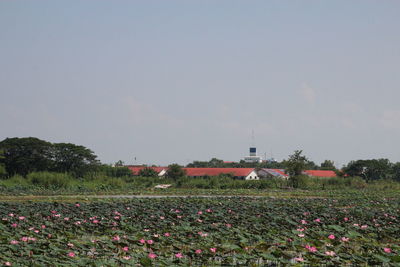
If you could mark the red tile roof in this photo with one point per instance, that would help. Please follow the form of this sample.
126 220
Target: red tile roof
237 172
136 169
319 173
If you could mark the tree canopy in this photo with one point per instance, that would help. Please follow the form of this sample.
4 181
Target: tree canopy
30 154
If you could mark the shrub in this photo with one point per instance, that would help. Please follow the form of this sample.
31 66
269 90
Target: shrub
50 180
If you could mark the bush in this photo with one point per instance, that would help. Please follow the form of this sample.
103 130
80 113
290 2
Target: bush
50 180
3 172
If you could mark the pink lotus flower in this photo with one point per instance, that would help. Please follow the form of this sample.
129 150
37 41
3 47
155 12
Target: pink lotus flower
125 248
179 255
11 214
71 254
14 225
331 237
70 245
116 238
77 205
43 226
301 235
364 226
213 250
7 263
300 229
66 219
152 255
228 225
167 234
21 218
162 217
299 259
95 221
126 257
150 242
346 219
142 241
199 212
311 249
330 253
198 251
345 239
14 242
178 216
24 239
303 222
317 220
208 210
387 250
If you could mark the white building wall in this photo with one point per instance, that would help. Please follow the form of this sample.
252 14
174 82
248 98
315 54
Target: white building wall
252 176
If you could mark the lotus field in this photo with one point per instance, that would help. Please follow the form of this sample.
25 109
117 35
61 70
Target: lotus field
212 231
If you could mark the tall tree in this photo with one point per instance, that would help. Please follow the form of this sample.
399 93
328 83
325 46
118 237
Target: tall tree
296 163
25 155
175 172
372 169
73 158
328 165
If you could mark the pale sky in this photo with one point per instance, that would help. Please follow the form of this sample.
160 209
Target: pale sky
177 81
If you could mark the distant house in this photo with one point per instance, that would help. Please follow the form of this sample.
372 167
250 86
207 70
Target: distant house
320 173
161 171
238 173
272 173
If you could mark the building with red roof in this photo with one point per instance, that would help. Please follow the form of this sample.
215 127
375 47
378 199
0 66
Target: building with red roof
238 173
320 173
161 171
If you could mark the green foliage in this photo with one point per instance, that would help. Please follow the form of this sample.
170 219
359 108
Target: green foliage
373 169
148 172
296 163
175 172
50 180
73 158
396 171
25 155
328 165
3 172
359 229
113 171
119 163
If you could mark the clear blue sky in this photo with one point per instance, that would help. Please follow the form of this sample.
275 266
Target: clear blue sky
177 81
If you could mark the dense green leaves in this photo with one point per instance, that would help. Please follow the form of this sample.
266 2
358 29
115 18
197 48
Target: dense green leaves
202 231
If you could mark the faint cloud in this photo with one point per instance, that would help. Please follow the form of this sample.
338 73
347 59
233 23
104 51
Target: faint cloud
308 93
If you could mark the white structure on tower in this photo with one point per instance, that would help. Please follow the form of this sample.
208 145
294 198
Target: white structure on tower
252 157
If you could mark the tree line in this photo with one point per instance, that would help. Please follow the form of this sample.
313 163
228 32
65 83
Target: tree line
21 156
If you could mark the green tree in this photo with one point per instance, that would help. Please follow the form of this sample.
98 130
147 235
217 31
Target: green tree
175 171
328 165
119 163
3 172
296 163
75 159
25 155
372 169
396 171
148 172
